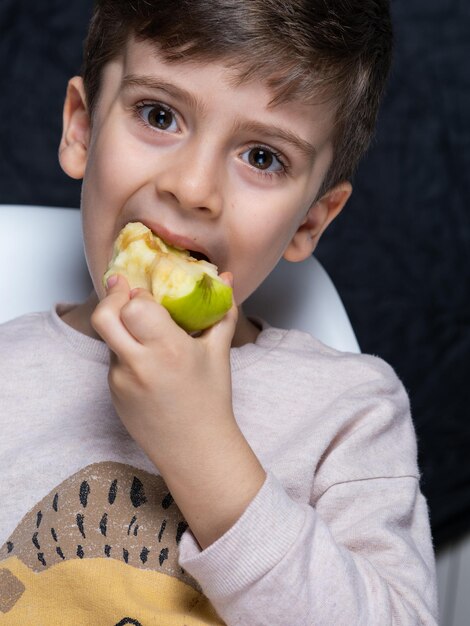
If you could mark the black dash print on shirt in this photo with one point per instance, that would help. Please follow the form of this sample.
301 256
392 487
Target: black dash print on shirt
84 493
35 541
163 556
10 547
112 492
104 524
41 559
182 526
138 497
54 534
167 501
133 521
162 530
60 553
107 550
144 554
38 519
55 502
80 552
81 528
125 555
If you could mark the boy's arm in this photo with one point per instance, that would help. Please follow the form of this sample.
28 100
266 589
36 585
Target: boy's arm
360 555
173 394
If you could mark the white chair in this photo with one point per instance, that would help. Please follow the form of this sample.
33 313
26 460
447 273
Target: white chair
42 261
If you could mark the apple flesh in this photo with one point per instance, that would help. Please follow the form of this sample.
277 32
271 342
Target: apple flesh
190 289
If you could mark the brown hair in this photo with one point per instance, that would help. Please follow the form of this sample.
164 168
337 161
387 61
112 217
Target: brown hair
303 49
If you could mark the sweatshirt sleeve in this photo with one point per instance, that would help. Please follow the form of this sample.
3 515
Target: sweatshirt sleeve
359 553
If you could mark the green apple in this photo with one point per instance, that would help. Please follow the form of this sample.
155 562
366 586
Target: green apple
190 289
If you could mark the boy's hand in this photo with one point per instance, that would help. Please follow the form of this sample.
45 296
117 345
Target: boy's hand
173 394
165 383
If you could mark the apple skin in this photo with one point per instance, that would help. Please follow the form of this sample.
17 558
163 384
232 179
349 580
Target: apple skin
201 308
190 290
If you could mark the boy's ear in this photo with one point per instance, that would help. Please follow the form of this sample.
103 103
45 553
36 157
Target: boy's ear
318 218
73 149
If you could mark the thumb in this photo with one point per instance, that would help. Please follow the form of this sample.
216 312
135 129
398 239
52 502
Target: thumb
221 334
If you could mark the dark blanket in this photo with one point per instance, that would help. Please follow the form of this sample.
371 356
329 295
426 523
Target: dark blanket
399 254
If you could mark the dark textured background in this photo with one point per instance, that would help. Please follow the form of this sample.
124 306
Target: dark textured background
399 254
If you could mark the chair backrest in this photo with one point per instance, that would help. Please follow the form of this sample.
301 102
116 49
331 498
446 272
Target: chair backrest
42 262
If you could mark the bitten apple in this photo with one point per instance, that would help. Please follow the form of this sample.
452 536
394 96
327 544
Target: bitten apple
190 289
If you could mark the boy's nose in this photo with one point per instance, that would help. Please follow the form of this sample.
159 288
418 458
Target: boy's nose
193 180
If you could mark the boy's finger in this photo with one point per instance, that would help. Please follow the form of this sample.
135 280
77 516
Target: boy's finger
106 318
147 320
117 283
220 336
227 277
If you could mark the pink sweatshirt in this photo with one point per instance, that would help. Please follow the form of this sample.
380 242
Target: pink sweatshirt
338 534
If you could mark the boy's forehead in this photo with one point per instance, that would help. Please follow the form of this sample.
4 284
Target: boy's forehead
144 58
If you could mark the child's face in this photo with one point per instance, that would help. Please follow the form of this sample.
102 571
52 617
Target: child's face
206 164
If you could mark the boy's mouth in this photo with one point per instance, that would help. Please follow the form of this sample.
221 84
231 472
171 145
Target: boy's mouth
184 243
199 256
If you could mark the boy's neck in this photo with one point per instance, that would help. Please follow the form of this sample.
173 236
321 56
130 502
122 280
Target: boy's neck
78 318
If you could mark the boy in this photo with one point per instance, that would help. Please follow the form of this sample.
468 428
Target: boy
230 129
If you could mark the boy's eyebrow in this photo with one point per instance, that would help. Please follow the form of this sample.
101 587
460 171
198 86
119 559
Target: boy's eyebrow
155 83
282 134
266 130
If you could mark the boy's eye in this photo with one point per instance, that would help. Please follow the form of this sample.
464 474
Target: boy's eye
263 159
158 116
